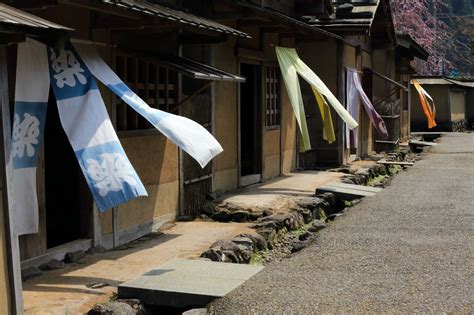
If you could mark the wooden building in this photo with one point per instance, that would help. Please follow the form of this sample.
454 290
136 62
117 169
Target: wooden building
214 62
454 101
15 25
383 58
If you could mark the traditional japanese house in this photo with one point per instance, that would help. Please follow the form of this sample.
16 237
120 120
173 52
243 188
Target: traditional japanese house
15 25
453 101
407 50
164 55
371 47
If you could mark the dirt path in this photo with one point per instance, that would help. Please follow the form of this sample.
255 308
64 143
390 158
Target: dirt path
66 291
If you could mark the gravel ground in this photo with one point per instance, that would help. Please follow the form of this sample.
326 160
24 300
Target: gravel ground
408 249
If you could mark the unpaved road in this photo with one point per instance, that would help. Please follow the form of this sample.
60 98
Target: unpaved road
408 249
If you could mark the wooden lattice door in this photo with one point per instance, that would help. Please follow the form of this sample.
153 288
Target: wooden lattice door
196 182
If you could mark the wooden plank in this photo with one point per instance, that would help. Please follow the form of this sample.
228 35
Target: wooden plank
395 163
423 143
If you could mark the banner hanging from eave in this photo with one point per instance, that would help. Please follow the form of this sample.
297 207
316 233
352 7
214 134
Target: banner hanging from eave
428 109
291 65
328 126
188 135
353 81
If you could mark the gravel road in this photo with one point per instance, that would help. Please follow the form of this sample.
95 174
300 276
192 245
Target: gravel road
408 249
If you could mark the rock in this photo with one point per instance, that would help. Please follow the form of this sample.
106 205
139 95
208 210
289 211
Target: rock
266 225
96 250
244 242
259 241
240 216
185 218
213 195
316 227
245 256
208 209
114 308
196 311
310 203
135 304
230 256
329 198
348 180
222 216
297 246
225 245
333 216
269 234
97 285
305 236
267 213
213 254
306 214
53 264
74 257
255 215
30 273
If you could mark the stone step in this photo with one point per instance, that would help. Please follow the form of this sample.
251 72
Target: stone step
422 143
186 282
348 191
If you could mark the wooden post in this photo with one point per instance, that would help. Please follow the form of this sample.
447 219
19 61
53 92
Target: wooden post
13 247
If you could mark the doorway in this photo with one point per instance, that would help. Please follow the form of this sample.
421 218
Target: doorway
68 200
250 124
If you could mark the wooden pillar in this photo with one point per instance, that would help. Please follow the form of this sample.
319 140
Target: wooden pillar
13 247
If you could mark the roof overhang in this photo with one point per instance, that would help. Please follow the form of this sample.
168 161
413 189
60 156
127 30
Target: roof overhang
292 23
408 46
147 9
16 22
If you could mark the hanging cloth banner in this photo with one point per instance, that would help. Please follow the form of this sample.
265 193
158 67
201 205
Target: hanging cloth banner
292 84
188 135
352 136
429 109
374 117
290 56
328 127
108 172
31 101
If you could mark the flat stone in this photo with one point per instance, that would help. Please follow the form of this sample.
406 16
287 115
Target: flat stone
184 282
112 308
30 273
53 264
347 191
74 257
297 246
196 311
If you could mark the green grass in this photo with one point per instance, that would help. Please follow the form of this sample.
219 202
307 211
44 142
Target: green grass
258 258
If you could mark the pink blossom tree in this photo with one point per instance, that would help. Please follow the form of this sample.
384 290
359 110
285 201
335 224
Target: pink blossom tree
418 19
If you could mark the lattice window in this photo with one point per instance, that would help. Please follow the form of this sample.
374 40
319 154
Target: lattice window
272 96
155 84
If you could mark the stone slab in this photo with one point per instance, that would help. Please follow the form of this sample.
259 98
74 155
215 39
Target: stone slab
348 191
185 282
423 143
355 187
395 163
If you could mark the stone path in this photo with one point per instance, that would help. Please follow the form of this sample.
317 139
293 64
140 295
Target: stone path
408 249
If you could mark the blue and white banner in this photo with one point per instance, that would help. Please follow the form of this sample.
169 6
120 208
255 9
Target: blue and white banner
31 101
108 172
188 135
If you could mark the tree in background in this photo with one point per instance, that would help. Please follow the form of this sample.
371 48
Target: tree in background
444 28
